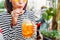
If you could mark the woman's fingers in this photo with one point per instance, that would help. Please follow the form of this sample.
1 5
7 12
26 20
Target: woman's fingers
14 14
35 27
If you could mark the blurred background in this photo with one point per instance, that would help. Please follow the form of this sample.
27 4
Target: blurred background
47 15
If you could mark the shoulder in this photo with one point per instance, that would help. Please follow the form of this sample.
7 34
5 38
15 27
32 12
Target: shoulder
30 13
3 14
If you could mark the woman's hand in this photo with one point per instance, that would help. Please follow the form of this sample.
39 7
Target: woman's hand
35 28
14 18
15 13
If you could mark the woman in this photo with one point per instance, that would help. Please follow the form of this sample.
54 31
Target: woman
11 21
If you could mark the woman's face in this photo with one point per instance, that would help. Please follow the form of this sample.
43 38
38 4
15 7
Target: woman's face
18 4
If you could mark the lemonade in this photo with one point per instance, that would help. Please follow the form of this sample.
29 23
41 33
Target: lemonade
27 29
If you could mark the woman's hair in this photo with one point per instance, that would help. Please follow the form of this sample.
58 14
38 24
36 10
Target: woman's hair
8 6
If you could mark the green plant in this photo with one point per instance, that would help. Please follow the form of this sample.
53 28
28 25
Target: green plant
2 4
48 13
51 34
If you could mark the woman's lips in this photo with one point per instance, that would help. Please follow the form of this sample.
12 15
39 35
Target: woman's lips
20 6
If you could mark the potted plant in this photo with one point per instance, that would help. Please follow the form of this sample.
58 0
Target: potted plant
50 35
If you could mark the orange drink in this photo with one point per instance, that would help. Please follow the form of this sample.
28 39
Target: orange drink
27 29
